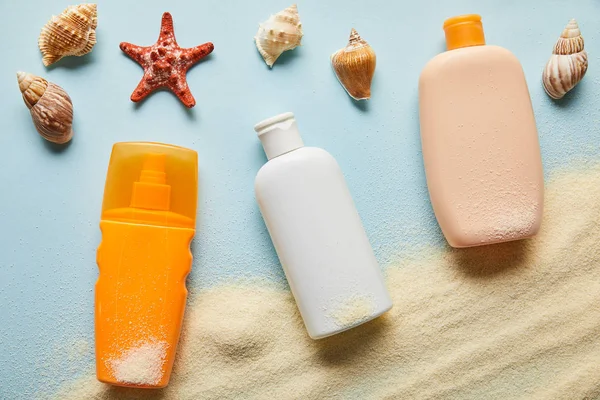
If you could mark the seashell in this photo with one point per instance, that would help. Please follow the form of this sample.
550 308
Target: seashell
50 106
72 33
568 63
354 66
281 32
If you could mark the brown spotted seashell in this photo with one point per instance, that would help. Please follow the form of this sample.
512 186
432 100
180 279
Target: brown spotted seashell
72 33
50 106
567 65
354 66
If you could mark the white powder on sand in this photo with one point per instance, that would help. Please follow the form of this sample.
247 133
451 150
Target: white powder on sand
141 365
519 320
352 311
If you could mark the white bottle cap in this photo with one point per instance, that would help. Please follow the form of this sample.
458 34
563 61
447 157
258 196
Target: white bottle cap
279 135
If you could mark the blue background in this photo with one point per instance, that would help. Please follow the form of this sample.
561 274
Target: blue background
50 197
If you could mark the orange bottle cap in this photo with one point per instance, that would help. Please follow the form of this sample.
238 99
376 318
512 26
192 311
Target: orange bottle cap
464 31
145 180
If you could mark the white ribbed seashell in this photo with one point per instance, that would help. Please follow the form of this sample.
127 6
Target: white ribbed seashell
354 66
72 33
50 106
567 65
281 32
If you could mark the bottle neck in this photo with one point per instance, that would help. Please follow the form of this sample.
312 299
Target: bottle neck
279 135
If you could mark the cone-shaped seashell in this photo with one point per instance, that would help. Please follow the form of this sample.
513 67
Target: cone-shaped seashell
72 33
281 32
354 66
568 63
50 106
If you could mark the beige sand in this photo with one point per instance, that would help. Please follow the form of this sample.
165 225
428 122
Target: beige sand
512 321
141 365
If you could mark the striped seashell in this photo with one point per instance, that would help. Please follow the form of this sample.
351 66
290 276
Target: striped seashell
567 65
354 66
50 106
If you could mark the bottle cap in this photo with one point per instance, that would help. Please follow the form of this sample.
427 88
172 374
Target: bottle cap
464 31
151 183
279 135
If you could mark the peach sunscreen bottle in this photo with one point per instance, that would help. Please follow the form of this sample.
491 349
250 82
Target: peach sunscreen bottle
317 232
148 221
480 144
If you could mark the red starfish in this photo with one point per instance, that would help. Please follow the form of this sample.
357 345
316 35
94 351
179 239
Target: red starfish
165 63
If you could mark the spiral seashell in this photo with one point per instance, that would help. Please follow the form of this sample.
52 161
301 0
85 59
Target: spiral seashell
50 106
72 33
281 32
354 66
567 65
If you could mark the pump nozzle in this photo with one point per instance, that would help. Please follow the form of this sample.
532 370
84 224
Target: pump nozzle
153 170
151 191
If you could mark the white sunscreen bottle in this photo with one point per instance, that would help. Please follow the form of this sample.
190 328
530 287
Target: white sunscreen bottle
317 232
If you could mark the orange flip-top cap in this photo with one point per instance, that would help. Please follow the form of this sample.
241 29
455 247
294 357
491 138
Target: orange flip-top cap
464 31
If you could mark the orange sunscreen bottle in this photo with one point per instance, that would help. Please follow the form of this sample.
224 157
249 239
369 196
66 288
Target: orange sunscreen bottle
148 221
